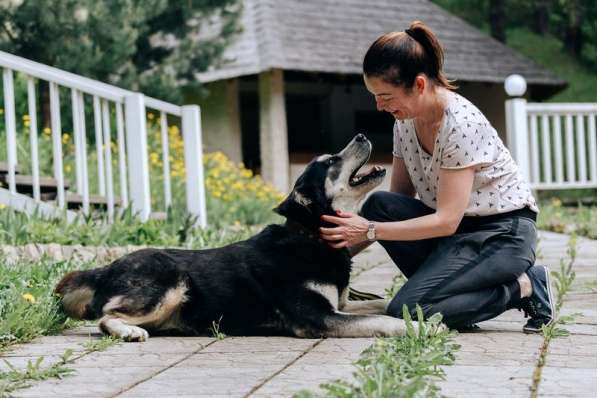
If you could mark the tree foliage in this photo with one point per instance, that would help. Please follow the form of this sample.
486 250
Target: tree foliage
154 46
574 22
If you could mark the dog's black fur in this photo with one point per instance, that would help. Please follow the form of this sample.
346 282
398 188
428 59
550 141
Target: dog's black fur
257 286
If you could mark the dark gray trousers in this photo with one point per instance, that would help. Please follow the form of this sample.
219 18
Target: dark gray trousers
468 277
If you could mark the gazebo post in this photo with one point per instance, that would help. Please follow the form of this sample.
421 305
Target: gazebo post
273 132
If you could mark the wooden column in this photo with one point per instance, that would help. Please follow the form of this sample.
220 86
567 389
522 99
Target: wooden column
273 133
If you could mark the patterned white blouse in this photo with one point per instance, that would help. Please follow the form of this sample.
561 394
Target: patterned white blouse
465 139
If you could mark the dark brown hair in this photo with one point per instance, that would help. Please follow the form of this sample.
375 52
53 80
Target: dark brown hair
398 57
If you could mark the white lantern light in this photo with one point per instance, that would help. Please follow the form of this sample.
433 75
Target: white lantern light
515 86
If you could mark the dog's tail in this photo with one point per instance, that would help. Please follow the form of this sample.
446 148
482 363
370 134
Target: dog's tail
76 291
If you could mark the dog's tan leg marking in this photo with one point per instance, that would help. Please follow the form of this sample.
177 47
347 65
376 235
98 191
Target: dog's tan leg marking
118 328
341 324
164 314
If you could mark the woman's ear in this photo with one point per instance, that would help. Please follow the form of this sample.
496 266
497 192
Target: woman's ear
420 83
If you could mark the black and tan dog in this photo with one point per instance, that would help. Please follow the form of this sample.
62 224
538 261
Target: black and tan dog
284 280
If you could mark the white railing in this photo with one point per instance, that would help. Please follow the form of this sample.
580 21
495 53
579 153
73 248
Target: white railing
129 117
554 144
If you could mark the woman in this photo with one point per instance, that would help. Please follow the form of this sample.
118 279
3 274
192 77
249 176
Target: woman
467 245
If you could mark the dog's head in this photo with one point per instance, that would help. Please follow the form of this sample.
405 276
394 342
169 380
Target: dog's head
332 182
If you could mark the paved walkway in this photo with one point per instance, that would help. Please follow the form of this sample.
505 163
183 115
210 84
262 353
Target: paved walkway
498 361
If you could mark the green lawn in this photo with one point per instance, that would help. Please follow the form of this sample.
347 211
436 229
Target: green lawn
547 52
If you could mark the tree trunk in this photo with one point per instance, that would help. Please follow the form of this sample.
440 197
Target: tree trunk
497 20
540 23
573 34
44 99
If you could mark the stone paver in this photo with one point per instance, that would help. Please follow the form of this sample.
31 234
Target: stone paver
497 361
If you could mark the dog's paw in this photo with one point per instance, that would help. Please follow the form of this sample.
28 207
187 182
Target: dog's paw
134 333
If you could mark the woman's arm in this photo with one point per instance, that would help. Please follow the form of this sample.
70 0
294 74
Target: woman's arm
453 195
400 182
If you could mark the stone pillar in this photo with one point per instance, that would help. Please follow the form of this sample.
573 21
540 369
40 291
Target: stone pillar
273 133
220 119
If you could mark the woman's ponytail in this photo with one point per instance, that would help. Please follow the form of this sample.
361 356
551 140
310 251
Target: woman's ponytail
398 57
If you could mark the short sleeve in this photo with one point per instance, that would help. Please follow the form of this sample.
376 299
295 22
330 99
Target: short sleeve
467 145
397 151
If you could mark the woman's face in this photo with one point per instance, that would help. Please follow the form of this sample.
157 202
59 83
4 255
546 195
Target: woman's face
400 102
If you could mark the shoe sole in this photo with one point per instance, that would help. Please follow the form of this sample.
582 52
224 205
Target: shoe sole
551 302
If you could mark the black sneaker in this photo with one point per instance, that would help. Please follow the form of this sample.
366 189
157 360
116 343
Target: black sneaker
540 306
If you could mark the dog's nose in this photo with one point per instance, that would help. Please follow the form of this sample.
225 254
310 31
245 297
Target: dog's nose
360 138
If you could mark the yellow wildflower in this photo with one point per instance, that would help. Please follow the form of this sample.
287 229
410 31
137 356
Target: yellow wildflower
26 118
2 205
47 131
29 297
150 116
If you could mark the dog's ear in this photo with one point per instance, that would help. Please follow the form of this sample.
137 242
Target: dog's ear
294 206
305 209
307 201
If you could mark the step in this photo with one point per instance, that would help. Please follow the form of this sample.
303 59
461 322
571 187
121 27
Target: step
48 186
4 168
75 201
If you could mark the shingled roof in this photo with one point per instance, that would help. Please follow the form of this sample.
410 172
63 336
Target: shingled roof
332 36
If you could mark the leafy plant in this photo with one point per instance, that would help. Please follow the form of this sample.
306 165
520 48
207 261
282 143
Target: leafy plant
563 281
15 379
215 330
400 366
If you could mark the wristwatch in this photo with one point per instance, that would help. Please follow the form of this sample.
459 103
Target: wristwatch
371 232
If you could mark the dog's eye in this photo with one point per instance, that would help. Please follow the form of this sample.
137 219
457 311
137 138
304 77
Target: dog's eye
331 161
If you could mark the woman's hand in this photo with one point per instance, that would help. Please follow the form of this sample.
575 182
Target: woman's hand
351 229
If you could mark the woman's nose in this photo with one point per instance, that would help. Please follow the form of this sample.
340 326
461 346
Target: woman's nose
379 104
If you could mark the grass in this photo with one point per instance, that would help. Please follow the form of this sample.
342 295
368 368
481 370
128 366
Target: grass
406 366
16 379
580 220
27 306
176 230
563 281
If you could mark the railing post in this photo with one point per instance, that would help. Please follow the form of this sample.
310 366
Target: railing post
517 134
11 129
138 166
193 159
516 124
